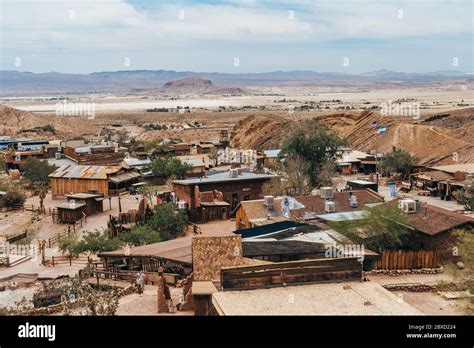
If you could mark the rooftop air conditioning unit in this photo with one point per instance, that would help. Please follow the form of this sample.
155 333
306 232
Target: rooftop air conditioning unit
353 201
409 206
234 173
329 207
269 202
326 192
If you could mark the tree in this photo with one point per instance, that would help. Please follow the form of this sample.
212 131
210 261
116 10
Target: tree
171 223
48 128
37 172
67 245
293 180
327 172
13 197
94 242
313 149
399 161
385 226
465 196
169 167
148 191
141 235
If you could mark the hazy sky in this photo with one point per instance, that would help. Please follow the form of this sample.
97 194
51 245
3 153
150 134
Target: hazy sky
97 35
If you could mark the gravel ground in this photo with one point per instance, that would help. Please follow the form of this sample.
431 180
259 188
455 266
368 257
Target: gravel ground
318 299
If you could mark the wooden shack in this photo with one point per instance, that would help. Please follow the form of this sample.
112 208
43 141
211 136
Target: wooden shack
93 201
70 213
80 205
109 180
94 154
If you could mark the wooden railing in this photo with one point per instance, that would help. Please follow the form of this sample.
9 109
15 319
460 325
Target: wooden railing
402 259
65 259
67 232
16 237
151 277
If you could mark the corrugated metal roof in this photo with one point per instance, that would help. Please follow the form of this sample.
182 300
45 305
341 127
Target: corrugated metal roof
84 172
453 168
223 177
195 162
133 161
124 177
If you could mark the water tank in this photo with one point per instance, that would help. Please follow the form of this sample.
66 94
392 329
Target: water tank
408 205
233 173
329 207
353 201
326 192
269 202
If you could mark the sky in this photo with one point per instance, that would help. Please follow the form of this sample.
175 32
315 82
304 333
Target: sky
236 36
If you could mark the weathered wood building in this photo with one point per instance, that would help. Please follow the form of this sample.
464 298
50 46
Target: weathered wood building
96 154
109 180
229 187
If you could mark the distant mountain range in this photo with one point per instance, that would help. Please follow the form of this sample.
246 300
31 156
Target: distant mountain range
17 83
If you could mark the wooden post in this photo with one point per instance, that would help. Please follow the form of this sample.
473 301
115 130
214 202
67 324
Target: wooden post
70 260
53 261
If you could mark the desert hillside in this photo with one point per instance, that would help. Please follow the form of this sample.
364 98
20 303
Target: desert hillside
19 123
433 139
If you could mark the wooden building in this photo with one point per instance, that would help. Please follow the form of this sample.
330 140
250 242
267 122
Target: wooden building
14 159
204 148
255 213
109 180
231 187
181 149
197 164
97 154
79 205
93 201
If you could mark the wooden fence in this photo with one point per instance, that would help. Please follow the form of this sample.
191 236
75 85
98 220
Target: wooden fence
402 259
11 238
151 277
67 232
290 273
65 259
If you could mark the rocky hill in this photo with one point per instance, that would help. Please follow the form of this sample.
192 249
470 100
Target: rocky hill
25 124
433 139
